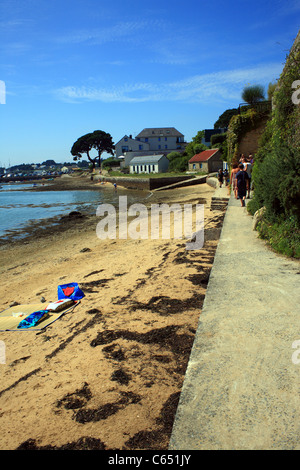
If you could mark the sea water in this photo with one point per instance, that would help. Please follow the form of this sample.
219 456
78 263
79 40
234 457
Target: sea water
20 207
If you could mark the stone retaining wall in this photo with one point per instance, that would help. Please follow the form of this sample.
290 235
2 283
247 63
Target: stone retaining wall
147 184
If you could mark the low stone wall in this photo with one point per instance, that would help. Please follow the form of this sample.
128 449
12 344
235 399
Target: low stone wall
147 184
180 184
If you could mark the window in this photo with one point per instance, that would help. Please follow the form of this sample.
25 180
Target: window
166 146
159 147
153 167
140 147
146 139
125 139
194 166
124 148
158 139
166 138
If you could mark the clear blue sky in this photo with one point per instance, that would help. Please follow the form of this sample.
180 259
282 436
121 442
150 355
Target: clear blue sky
75 66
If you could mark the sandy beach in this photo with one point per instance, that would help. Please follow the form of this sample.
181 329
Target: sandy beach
108 374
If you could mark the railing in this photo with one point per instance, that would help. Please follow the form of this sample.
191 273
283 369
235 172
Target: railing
261 107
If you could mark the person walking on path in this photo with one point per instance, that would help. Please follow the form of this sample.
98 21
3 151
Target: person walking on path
220 178
233 179
248 169
242 179
226 176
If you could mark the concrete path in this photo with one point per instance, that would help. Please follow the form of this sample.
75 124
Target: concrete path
242 389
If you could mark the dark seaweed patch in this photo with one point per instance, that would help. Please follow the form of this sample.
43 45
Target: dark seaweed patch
146 440
121 377
94 415
157 439
17 361
92 311
94 272
165 337
114 352
167 413
89 286
83 443
76 400
21 379
198 280
164 305
104 411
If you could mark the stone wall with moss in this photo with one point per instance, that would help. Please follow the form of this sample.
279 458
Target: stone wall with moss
276 170
286 113
244 132
250 141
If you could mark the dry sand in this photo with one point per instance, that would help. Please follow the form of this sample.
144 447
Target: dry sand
107 375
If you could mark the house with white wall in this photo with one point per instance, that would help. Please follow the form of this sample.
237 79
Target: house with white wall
128 144
149 164
160 140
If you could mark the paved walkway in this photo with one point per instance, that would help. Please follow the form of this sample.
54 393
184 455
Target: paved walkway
242 388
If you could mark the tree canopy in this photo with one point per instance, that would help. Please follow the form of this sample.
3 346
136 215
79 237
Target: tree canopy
196 146
99 140
225 117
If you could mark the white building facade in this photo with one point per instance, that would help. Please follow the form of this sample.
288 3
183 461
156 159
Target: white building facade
151 140
149 164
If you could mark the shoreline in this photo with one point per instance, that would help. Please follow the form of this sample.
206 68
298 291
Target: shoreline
53 225
109 375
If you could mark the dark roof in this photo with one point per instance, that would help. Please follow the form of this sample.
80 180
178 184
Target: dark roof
129 137
147 159
203 156
159 131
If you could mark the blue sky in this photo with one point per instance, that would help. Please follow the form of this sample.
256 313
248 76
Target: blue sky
71 67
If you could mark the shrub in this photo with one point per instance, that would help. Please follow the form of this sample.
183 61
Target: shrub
253 94
217 139
283 236
277 184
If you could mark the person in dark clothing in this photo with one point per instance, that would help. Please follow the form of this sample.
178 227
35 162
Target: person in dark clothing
242 179
220 177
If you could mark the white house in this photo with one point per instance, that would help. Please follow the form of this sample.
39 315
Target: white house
128 144
149 164
160 140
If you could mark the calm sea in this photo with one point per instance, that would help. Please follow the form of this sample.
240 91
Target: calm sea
19 208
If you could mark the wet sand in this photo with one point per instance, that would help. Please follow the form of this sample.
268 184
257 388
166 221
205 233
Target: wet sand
107 375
